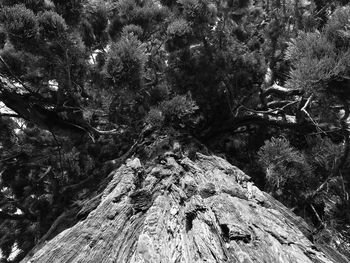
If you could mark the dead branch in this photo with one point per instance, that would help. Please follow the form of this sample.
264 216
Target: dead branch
279 104
110 132
280 91
317 215
275 111
304 109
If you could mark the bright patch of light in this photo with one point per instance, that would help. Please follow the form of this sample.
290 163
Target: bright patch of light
53 85
4 109
216 24
92 60
19 212
195 46
14 252
21 124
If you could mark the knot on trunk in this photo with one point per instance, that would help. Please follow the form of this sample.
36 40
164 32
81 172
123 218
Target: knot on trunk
141 200
207 190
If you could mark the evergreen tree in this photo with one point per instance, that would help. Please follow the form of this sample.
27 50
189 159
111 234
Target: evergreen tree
84 85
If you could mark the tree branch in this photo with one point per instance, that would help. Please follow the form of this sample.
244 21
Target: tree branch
114 131
44 118
278 104
280 91
275 111
304 109
232 124
317 215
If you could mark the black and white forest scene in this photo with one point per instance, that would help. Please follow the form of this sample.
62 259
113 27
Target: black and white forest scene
174 131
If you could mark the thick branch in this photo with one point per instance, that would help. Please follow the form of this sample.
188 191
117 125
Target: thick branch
34 112
280 91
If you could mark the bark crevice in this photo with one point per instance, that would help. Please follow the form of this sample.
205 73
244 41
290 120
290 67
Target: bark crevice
183 210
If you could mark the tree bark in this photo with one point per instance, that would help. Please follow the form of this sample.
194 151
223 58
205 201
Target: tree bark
173 205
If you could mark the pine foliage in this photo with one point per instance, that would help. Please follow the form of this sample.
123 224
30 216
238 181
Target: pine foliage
21 25
86 77
319 57
179 110
126 60
52 25
286 167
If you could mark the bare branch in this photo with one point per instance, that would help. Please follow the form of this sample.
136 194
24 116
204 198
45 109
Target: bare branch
304 109
276 111
307 104
317 215
278 104
114 131
42 176
280 91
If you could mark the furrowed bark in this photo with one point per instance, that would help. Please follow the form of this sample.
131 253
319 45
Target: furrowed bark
170 208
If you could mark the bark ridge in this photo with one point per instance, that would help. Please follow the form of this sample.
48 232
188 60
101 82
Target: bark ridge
180 210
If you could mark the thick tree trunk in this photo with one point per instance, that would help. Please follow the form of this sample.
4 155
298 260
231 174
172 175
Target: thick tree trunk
171 208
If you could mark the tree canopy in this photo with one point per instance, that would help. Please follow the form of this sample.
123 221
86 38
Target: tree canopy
266 84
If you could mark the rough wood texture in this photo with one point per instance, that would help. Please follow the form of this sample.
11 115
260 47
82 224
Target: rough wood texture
179 210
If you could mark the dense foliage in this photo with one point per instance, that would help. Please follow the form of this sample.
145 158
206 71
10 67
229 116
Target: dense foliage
263 83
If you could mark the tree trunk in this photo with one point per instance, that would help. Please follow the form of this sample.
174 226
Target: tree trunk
178 206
